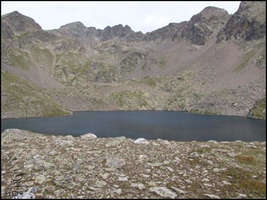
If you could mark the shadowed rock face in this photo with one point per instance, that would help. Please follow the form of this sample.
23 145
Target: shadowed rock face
204 24
248 23
172 31
6 31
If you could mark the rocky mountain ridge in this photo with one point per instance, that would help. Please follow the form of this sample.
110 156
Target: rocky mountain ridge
200 65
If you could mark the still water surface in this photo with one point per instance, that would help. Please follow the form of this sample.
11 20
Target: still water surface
169 125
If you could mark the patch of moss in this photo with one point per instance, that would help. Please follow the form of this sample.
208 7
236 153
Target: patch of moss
259 109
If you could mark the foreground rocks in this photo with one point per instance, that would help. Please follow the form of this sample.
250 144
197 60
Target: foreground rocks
43 166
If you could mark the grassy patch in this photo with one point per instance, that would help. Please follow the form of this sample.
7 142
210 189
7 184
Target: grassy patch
162 62
42 56
149 81
19 58
242 181
26 99
259 109
245 159
130 99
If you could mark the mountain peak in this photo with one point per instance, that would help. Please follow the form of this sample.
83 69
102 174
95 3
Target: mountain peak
202 25
116 31
213 11
20 23
74 25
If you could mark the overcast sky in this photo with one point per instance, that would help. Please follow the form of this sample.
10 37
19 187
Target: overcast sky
140 16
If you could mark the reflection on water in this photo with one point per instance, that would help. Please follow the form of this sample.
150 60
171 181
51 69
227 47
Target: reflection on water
169 125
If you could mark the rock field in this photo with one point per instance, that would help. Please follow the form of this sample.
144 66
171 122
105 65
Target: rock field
48 166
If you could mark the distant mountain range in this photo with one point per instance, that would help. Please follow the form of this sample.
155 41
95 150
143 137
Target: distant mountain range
215 63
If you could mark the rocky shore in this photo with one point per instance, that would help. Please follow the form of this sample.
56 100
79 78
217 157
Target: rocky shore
48 166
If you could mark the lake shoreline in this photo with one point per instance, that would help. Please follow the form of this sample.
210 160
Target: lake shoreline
118 110
169 125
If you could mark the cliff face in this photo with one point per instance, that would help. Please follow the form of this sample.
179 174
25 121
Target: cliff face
182 66
203 25
248 23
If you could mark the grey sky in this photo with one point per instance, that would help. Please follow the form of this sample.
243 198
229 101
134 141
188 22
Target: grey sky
139 15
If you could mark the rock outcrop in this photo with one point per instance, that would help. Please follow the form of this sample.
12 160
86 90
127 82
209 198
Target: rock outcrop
19 23
248 23
203 25
169 32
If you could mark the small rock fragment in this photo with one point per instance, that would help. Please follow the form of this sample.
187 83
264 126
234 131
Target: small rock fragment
141 141
205 180
226 183
88 136
40 179
178 190
212 196
123 178
118 191
100 183
163 192
105 175
140 186
241 196
115 162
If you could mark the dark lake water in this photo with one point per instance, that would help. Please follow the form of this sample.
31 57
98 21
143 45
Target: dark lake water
169 125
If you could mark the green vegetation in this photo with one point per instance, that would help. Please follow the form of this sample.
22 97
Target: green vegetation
19 58
42 56
149 81
130 99
245 159
259 109
243 179
26 99
162 62
52 110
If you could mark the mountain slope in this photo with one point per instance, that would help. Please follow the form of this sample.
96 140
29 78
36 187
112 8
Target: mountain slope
197 66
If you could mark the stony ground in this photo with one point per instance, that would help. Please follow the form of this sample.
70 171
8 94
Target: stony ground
43 166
